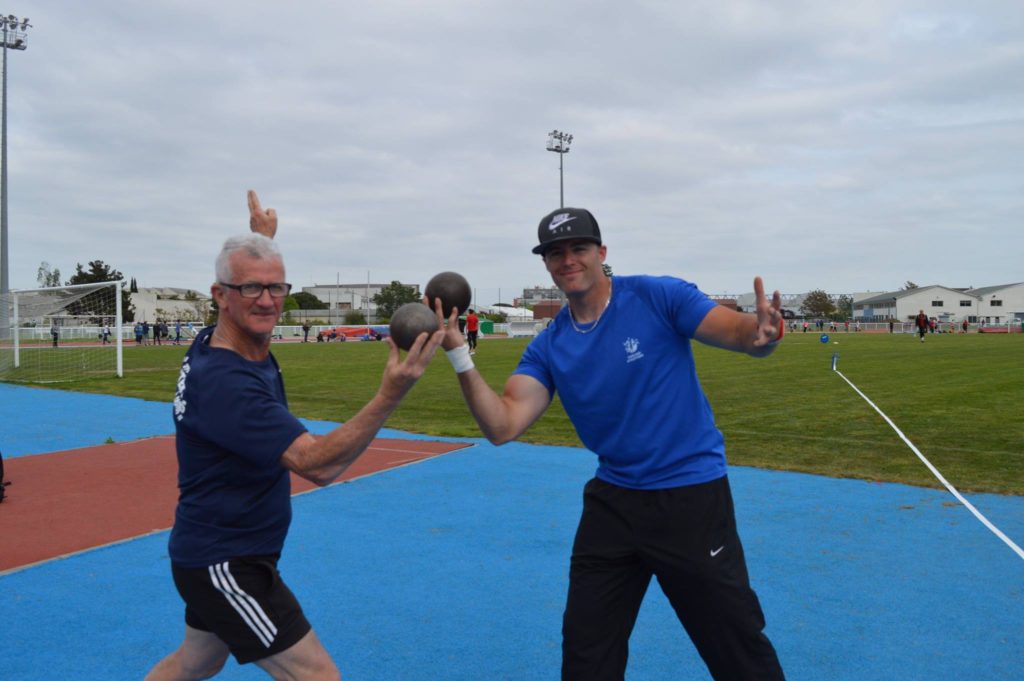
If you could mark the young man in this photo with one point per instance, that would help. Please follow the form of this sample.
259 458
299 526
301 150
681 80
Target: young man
472 330
236 443
660 505
921 321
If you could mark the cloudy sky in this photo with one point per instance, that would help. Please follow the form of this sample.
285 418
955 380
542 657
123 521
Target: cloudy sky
847 146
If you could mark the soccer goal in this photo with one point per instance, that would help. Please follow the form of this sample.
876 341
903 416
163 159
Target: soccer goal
64 333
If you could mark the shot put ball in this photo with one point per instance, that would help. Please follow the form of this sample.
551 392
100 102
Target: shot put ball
409 321
453 290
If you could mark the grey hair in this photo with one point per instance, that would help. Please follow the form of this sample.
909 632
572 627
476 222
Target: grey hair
254 245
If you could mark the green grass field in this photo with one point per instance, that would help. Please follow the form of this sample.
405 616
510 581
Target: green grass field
957 397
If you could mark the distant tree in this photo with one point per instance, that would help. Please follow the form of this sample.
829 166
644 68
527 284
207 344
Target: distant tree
909 285
212 312
307 301
133 287
844 307
289 305
392 297
355 317
200 305
817 304
99 272
47 278
496 317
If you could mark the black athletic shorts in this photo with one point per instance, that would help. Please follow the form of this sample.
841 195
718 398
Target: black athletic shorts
245 603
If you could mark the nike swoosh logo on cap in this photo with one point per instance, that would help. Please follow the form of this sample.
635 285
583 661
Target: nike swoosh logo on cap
560 220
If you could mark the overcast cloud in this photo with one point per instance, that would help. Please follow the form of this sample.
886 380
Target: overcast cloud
844 146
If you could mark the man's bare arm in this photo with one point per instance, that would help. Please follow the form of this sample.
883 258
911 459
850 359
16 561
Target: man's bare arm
322 460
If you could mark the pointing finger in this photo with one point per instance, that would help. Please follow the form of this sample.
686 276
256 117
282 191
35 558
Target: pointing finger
254 203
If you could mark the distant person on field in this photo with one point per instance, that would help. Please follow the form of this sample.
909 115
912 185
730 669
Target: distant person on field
964 325
177 332
236 443
106 334
305 332
472 330
54 332
921 321
620 358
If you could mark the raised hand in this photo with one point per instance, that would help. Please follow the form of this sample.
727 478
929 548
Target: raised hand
452 335
769 315
400 375
261 221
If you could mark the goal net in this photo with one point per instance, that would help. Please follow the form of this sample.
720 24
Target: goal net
64 333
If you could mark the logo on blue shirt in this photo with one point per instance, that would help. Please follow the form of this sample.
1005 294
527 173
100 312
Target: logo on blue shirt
632 346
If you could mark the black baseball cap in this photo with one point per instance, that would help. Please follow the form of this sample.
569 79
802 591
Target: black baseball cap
564 224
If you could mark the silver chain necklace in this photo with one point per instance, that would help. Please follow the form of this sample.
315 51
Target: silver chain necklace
572 319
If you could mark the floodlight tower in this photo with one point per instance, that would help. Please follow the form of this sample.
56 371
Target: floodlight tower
559 142
15 38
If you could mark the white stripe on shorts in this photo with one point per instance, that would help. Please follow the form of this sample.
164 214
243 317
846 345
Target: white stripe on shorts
245 605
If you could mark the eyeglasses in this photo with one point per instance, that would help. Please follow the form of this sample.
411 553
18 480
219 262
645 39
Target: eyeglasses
279 290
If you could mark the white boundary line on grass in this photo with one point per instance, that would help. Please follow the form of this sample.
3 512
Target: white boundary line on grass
977 514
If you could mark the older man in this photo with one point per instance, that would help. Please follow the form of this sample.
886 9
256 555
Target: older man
236 443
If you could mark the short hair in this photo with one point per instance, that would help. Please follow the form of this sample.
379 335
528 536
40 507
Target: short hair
254 245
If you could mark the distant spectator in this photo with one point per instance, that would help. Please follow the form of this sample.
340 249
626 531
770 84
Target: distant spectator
472 330
921 322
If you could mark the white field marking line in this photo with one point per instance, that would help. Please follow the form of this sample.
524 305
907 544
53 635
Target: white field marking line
400 451
977 514
412 462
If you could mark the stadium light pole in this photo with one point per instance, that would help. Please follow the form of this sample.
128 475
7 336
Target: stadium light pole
14 38
559 142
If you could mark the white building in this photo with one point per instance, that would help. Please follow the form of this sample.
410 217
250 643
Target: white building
169 304
1000 304
989 305
341 298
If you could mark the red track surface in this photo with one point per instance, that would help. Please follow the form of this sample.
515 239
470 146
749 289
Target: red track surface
69 501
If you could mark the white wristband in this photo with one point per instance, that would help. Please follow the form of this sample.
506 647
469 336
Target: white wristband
460 359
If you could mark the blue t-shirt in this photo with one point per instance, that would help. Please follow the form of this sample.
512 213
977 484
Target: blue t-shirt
232 426
630 386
